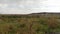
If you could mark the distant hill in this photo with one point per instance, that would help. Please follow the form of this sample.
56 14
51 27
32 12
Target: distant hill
33 13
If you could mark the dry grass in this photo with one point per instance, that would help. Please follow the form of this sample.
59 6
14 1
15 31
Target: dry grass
28 24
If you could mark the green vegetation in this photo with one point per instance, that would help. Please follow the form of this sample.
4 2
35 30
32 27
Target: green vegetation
28 24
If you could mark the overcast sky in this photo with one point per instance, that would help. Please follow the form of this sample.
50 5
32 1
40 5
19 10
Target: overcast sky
28 6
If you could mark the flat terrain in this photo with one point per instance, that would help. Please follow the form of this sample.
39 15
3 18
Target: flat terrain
41 23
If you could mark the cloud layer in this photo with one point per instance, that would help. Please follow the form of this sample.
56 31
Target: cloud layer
28 6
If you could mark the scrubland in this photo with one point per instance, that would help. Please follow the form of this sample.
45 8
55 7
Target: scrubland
29 24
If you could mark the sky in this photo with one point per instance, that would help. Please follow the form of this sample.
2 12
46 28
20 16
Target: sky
28 6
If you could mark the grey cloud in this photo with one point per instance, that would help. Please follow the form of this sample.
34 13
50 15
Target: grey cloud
20 6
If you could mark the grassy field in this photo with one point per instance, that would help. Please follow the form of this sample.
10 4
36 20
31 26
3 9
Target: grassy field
29 24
